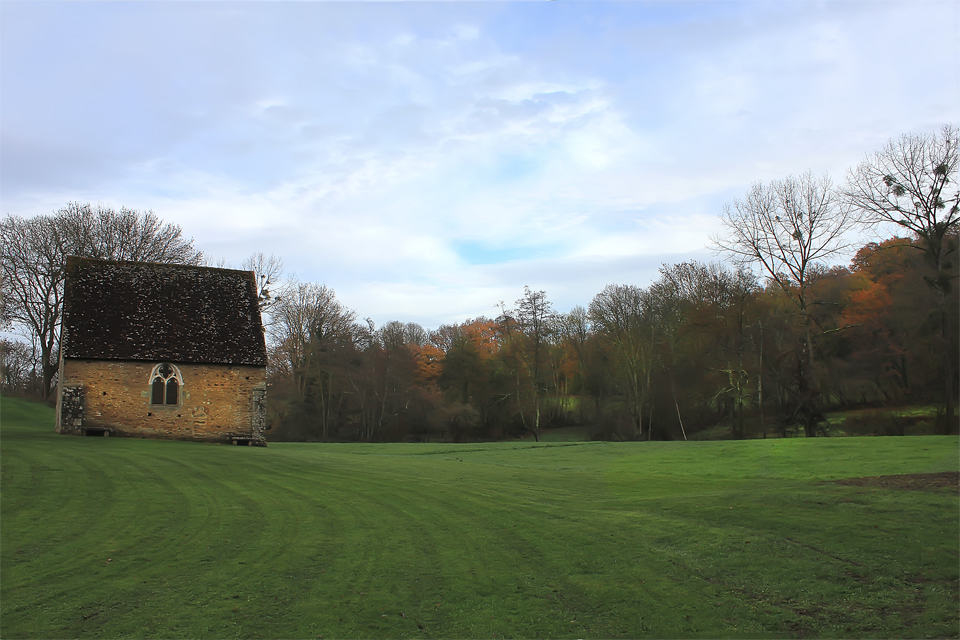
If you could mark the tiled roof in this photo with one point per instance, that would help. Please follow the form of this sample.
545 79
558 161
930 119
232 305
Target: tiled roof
161 312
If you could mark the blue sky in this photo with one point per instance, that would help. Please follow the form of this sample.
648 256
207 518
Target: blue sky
427 160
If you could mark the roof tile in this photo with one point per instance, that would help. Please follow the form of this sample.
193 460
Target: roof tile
149 311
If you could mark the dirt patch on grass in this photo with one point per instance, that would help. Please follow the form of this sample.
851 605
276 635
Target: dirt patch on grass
914 481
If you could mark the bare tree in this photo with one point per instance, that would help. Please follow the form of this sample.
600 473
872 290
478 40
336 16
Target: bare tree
718 299
32 264
620 316
397 334
574 329
33 255
911 183
268 272
130 235
445 336
392 335
414 333
790 227
16 366
310 331
535 316
736 300
669 308
524 332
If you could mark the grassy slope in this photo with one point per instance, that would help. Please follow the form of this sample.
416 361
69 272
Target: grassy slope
121 538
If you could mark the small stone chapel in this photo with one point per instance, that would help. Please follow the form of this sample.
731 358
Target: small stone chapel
161 351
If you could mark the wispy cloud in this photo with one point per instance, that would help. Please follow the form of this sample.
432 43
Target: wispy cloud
428 160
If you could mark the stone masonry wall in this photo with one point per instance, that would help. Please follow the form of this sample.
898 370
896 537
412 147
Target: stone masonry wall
217 402
70 409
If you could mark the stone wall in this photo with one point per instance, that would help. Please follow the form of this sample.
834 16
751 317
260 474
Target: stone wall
70 409
221 403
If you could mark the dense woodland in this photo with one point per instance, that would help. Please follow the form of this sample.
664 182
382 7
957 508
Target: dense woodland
704 345
764 343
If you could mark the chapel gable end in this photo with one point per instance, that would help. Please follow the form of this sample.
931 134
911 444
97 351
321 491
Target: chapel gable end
161 351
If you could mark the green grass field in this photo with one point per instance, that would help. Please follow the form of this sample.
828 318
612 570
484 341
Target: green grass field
110 537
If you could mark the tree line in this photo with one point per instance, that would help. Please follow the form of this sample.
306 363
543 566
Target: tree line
705 346
764 343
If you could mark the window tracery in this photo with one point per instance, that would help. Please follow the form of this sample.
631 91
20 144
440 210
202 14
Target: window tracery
165 384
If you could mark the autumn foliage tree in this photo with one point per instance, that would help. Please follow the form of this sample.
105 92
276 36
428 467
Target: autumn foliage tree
911 183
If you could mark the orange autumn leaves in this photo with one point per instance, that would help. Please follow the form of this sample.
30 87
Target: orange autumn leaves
479 335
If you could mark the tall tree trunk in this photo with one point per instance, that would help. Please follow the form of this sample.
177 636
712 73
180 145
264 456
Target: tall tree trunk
48 368
650 423
673 388
536 424
808 409
763 426
949 389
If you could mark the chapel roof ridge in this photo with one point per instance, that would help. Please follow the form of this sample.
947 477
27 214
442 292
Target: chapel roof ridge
72 258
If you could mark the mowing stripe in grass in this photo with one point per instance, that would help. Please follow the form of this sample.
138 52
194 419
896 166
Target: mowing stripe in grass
121 538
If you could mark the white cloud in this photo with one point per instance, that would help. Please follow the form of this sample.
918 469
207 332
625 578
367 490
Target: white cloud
375 146
466 32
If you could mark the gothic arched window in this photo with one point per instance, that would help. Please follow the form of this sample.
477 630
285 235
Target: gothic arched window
165 383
